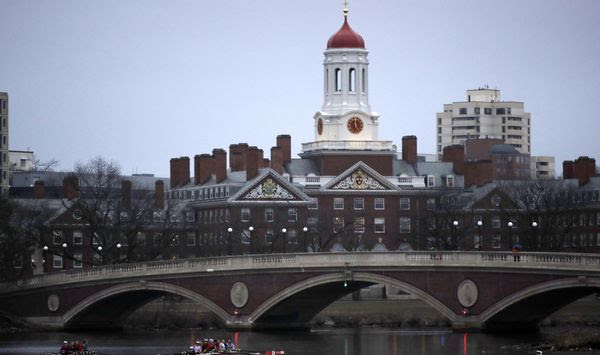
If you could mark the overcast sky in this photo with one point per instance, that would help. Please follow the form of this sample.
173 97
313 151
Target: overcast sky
141 82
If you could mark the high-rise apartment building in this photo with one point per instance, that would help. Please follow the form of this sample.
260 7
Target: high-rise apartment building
3 145
484 115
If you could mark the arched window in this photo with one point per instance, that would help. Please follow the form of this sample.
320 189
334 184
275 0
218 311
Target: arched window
327 80
338 79
364 80
352 79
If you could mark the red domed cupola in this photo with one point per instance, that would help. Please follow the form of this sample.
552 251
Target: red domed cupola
346 38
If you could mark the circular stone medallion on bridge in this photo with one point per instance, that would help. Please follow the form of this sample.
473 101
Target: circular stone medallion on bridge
239 294
53 302
467 293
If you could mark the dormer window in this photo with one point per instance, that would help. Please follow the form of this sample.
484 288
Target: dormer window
450 181
430 181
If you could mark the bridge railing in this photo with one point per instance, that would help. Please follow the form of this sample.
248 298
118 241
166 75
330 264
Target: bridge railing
555 261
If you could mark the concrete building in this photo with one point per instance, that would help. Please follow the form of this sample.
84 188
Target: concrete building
484 115
20 160
542 167
4 162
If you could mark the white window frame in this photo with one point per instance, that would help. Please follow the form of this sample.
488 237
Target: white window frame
57 262
359 203
245 214
402 222
338 226
292 214
359 228
379 221
271 212
496 222
405 203
379 201
430 181
292 236
57 234
338 203
191 236
77 234
77 260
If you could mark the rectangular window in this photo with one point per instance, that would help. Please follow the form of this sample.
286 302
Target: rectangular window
245 214
292 215
191 239
359 225
496 241
269 215
449 181
338 224
292 236
582 240
57 237
338 203
190 216
269 236
314 204
500 111
359 203
476 241
487 111
404 224
495 222
430 181
18 261
379 225
508 111
77 261
477 110
462 111
431 204
379 203
405 203
57 261
77 238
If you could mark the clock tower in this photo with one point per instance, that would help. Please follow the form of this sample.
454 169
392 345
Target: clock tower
346 124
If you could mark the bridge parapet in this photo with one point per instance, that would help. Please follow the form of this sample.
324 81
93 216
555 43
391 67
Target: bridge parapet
443 259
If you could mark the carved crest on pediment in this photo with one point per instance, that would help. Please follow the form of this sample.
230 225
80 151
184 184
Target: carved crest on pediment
268 189
359 180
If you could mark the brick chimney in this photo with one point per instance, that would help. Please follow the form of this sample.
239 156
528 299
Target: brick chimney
220 164
478 172
125 194
266 163
568 169
203 168
584 168
38 189
252 162
409 149
159 194
173 172
184 170
70 187
284 141
277 159
455 154
237 156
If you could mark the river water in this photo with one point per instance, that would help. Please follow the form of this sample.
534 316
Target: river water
358 341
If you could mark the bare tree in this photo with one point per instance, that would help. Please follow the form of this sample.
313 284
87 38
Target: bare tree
47 165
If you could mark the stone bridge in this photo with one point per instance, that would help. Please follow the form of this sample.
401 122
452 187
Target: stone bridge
475 290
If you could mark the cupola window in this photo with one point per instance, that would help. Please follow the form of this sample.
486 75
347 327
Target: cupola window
352 79
363 80
338 80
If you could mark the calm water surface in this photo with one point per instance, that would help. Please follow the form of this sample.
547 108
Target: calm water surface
360 341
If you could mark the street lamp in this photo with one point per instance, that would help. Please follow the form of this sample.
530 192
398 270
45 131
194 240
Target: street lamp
100 253
510 225
454 226
479 225
45 248
251 229
534 225
284 231
229 249
64 245
44 257
305 230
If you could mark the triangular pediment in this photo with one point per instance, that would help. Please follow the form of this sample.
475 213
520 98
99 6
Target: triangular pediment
362 177
270 186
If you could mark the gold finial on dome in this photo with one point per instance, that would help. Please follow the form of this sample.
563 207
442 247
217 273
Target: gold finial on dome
345 8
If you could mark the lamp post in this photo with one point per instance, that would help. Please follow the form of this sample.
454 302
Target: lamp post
64 253
119 251
251 229
510 225
305 230
454 226
284 231
479 225
44 257
100 253
534 225
229 247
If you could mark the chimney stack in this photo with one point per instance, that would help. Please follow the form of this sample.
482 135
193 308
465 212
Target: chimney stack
38 189
70 186
455 154
159 194
184 170
284 141
277 159
220 164
237 156
266 163
252 156
478 172
126 194
173 172
568 169
203 168
409 149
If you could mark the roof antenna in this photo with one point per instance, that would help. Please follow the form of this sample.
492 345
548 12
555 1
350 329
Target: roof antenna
345 9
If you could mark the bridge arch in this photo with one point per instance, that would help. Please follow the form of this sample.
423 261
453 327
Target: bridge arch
357 281
147 290
527 307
